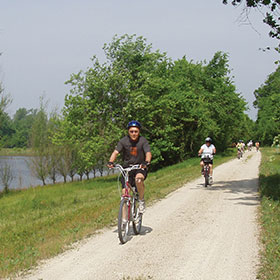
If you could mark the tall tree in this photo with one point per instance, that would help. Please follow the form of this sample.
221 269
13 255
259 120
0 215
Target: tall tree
40 144
268 104
6 129
179 103
22 123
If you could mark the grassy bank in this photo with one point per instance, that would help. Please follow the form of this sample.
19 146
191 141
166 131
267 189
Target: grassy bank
16 152
41 222
270 214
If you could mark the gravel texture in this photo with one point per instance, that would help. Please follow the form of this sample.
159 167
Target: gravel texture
194 233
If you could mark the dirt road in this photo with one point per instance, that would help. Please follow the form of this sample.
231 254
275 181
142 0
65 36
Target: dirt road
195 233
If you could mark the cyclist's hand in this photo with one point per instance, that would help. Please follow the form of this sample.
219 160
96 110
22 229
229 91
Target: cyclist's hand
199 155
144 164
110 164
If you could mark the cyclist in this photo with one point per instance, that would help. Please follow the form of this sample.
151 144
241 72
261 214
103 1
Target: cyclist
243 146
249 145
239 147
135 149
207 149
257 144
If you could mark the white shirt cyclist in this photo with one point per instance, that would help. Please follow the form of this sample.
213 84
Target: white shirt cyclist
207 151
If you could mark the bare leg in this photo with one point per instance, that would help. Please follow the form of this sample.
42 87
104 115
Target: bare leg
211 169
139 180
124 217
202 166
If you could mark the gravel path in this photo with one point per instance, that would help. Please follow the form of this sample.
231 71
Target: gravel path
195 233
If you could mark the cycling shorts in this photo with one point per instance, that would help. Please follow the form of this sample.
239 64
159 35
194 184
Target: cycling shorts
210 161
132 175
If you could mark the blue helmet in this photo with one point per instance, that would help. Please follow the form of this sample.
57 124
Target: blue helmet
134 124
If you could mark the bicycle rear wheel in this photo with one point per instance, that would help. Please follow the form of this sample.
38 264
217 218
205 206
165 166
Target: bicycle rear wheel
123 221
238 154
206 177
137 217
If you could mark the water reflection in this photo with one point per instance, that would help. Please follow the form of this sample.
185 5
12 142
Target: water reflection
22 175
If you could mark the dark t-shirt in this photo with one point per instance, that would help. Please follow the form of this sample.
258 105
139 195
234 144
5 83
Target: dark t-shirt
133 152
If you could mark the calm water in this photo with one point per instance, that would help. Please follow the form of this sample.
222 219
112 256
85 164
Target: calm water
22 175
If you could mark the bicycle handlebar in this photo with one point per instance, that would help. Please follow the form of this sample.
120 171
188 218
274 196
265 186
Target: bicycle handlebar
125 171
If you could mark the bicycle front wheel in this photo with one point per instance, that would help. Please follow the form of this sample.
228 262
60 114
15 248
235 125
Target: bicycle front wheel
137 217
123 221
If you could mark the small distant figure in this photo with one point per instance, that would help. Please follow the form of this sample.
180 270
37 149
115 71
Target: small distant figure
239 149
257 144
207 150
243 146
250 145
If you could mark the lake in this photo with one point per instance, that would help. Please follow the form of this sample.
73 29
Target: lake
22 175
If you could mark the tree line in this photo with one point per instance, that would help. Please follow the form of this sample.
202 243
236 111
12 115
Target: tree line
178 102
268 104
15 132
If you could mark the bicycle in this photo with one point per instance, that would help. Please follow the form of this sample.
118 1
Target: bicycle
206 170
129 206
207 159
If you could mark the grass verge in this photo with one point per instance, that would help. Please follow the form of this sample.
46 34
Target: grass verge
16 152
41 222
270 214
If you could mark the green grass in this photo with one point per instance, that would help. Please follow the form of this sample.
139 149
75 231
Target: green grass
16 152
270 214
41 222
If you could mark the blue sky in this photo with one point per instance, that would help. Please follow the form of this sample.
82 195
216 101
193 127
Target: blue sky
43 42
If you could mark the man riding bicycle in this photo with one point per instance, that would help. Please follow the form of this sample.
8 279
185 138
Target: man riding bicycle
257 144
135 149
239 147
207 150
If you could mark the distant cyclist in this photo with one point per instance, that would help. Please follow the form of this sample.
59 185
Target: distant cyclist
243 146
239 147
257 144
249 145
207 150
135 149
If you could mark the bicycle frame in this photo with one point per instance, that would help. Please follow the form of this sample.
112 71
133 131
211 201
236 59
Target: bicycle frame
124 173
206 168
130 201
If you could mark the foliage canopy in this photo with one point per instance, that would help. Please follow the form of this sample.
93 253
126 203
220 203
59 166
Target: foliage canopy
268 104
179 103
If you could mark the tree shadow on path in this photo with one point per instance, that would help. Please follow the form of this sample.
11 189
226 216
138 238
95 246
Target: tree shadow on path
246 190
